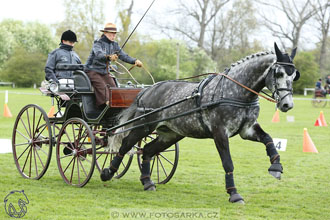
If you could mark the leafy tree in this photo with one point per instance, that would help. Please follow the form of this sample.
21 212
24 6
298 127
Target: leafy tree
24 68
33 37
309 71
160 58
85 18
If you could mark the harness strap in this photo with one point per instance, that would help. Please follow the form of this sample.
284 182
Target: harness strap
238 83
198 99
223 102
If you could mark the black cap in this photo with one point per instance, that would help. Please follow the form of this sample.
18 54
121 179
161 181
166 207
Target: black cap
69 36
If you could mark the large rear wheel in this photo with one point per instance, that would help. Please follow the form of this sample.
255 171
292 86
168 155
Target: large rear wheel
32 142
75 152
103 160
163 164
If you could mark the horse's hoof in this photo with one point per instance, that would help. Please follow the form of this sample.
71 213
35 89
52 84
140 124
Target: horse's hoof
152 188
149 186
275 174
106 174
236 198
275 170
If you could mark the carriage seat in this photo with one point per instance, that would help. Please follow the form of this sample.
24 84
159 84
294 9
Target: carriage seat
81 82
80 78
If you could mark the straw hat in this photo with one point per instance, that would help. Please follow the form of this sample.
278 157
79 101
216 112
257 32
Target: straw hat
110 27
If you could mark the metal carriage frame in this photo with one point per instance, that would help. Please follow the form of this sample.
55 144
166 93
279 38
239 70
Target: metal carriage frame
80 136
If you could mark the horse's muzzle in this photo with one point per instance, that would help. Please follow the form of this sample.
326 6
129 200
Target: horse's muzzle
285 105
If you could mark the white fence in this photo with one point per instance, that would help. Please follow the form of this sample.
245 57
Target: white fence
308 89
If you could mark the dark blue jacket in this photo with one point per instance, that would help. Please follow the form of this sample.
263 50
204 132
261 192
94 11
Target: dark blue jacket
101 48
62 55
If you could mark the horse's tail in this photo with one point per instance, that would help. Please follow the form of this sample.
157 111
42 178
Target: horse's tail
115 141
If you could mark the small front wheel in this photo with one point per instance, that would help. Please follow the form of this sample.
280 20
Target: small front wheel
75 152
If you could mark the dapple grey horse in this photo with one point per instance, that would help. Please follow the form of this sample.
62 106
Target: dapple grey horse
225 109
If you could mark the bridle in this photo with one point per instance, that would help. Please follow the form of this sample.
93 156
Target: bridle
277 90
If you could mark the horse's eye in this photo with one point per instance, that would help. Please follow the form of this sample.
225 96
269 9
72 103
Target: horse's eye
278 74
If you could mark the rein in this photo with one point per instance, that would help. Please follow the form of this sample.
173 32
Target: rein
238 83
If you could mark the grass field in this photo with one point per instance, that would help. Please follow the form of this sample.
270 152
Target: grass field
303 192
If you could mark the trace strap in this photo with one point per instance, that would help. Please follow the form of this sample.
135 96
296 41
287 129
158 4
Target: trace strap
238 83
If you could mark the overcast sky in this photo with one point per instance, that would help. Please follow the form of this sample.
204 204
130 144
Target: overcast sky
52 11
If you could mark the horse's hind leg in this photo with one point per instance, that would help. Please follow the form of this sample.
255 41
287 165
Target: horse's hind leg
256 133
161 143
127 143
222 144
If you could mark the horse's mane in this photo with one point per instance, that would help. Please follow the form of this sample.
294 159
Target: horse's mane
255 55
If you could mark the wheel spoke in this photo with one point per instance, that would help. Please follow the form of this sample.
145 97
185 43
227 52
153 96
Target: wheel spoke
21 144
68 165
26 160
65 156
83 168
40 133
23 135
23 152
43 151
78 171
74 162
161 164
42 164
166 159
152 166
70 142
168 150
28 119
82 142
105 161
157 169
24 128
35 160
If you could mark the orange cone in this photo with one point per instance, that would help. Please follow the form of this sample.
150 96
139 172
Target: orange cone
51 112
276 116
6 112
308 145
322 118
320 121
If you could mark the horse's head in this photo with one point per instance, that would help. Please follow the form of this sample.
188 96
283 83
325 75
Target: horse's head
280 77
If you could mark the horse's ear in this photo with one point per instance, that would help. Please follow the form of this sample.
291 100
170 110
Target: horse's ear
277 52
293 53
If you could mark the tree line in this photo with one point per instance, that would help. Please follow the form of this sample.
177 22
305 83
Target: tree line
208 35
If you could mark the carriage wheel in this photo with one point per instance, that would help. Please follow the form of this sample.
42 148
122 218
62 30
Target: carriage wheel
103 160
163 164
319 101
32 142
75 152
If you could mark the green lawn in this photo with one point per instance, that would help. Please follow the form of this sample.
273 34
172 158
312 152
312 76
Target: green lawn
303 192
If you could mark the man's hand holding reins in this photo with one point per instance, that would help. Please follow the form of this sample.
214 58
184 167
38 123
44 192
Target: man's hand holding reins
138 63
112 57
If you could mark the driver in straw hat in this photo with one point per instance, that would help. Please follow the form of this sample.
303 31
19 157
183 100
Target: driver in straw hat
104 50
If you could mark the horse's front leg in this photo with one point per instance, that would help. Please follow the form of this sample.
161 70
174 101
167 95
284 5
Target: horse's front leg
222 144
256 133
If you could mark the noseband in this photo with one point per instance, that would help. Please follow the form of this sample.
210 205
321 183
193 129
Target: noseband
275 84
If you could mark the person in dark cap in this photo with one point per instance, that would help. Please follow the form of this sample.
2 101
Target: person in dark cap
105 50
62 55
